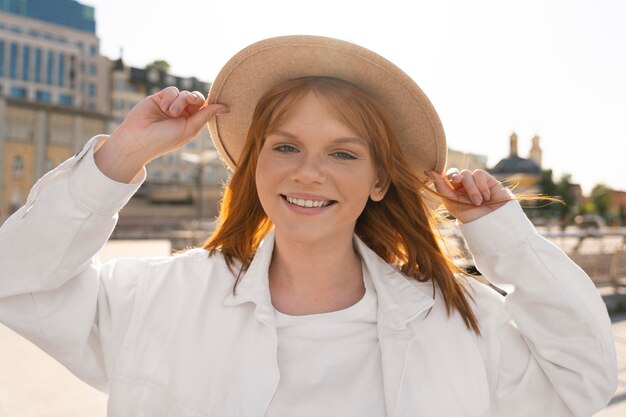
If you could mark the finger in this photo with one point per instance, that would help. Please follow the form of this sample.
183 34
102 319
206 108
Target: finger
480 178
471 188
454 177
196 98
180 103
166 97
442 185
199 119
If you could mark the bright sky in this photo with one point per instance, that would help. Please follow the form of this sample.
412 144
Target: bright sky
556 68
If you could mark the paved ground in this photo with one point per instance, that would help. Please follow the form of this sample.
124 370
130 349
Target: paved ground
617 406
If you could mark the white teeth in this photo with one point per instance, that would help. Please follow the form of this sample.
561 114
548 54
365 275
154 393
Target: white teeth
307 203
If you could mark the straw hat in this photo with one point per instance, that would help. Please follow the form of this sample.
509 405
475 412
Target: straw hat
256 68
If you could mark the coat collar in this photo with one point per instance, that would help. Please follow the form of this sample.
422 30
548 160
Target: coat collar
400 299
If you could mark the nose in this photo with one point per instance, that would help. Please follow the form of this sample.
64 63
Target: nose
309 170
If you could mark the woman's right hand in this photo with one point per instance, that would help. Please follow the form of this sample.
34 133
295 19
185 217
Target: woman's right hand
165 121
158 124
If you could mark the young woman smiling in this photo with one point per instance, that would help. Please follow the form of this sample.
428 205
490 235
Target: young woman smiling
323 289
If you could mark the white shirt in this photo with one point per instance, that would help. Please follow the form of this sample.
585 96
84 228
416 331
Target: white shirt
330 363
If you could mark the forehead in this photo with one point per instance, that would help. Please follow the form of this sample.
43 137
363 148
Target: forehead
316 102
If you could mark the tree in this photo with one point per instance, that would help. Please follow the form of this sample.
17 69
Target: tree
160 65
546 183
562 190
565 190
601 198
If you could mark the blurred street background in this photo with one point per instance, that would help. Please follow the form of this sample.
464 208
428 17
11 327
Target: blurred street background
531 91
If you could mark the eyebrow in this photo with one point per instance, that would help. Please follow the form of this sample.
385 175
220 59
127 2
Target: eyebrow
348 139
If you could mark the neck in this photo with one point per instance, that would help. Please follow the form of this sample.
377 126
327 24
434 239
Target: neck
306 268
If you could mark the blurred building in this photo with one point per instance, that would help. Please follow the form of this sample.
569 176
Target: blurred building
466 160
57 91
53 90
34 138
49 53
171 176
524 173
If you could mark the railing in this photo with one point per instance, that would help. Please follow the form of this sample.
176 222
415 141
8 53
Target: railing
601 253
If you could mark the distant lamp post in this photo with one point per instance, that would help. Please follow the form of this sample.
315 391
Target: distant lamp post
200 160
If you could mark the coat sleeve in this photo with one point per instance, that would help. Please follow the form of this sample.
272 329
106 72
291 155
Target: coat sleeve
53 289
553 351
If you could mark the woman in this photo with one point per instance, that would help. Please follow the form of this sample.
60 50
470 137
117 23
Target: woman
323 290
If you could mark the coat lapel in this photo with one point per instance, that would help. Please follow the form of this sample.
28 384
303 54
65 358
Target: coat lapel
423 359
399 302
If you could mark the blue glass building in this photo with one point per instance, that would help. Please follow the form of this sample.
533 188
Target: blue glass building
68 13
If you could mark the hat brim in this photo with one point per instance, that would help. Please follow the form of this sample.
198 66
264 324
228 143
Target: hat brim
262 65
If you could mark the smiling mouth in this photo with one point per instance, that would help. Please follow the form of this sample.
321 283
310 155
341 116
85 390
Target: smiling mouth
307 203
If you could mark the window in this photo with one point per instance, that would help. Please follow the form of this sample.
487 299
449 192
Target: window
93 69
66 100
38 58
118 104
50 68
1 58
25 63
93 50
43 96
91 106
17 167
92 90
18 92
13 61
153 75
120 85
61 70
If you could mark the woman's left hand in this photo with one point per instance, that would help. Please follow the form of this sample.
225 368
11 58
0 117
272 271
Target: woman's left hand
479 192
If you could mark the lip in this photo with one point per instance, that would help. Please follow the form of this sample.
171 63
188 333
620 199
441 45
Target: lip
306 196
308 211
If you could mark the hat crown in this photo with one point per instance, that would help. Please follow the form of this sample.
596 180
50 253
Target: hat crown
253 70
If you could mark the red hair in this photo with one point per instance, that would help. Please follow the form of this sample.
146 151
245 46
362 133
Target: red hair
400 228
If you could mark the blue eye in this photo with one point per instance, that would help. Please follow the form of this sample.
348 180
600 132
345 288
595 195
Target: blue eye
344 155
285 149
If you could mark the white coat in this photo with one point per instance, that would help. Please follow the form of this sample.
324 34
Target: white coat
165 337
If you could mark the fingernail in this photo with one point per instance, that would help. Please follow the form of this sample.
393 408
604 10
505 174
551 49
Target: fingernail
486 195
223 110
476 200
455 178
174 110
165 105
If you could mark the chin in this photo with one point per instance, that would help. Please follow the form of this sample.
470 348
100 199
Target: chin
313 235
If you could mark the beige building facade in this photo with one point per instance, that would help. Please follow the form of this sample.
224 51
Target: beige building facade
35 138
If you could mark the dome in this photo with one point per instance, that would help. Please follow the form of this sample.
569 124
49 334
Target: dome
516 165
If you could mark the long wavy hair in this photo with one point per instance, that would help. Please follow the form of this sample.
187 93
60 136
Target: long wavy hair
401 228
